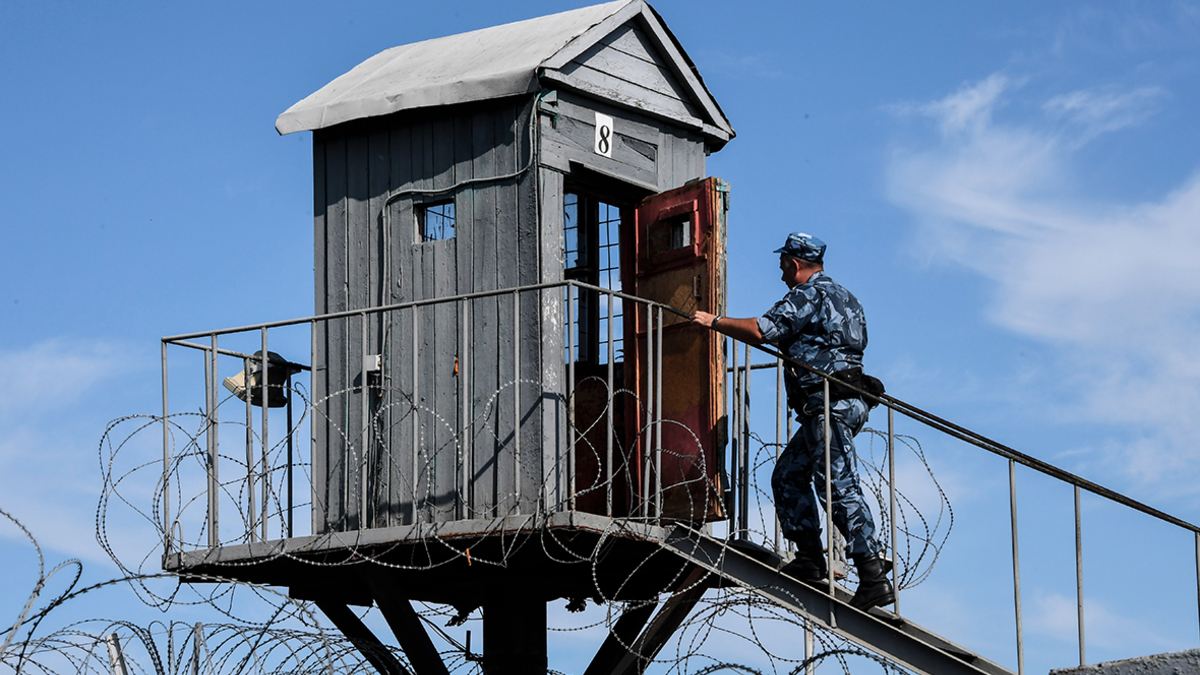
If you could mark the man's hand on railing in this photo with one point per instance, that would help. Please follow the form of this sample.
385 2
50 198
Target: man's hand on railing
746 330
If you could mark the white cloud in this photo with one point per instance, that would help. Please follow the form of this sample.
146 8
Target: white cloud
1098 112
1115 287
49 433
1056 616
52 374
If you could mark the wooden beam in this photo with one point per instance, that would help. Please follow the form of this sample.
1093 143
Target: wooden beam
363 639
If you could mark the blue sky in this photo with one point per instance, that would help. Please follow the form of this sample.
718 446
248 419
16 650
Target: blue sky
1012 190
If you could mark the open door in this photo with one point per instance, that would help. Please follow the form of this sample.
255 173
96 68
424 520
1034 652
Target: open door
679 260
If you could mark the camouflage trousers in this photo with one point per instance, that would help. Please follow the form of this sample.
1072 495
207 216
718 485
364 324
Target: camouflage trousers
801 468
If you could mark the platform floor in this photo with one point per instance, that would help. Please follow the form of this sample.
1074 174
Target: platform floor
569 555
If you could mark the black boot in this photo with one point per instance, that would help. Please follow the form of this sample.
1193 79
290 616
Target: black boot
808 567
874 589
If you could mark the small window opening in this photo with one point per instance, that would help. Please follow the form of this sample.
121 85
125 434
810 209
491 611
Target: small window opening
681 232
591 232
435 220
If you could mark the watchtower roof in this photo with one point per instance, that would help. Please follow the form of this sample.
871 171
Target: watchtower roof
520 58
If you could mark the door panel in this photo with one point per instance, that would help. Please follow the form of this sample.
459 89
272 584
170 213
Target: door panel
679 259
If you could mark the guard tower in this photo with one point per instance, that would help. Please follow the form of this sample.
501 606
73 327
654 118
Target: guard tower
508 223
498 402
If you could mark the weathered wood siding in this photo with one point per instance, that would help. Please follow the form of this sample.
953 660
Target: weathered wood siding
626 67
466 419
446 401
647 152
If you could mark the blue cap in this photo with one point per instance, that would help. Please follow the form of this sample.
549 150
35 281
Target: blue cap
803 246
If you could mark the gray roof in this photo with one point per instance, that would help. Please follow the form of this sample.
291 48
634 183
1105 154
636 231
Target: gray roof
492 63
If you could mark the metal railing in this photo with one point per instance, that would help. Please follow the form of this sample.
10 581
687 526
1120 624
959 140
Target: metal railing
746 493
522 420
392 437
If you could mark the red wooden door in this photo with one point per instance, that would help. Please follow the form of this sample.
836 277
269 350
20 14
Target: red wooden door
678 260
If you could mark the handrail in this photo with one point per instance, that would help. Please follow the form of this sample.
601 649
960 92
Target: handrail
925 417
985 443
177 339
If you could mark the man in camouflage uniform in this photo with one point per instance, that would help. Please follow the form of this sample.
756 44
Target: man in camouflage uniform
819 323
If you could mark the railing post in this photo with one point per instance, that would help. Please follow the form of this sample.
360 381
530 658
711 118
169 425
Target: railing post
1198 569
744 431
166 472
214 486
648 455
464 389
658 443
364 454
264 478
1012 501
735 476
469 414
416 416
250 508
608 430
1079 574
892 506
828 491
571 394
517 400
780 413
290 458
788 435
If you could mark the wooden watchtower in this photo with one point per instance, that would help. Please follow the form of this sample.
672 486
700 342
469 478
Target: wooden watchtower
504 220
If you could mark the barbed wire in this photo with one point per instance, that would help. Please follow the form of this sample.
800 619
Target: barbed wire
259 630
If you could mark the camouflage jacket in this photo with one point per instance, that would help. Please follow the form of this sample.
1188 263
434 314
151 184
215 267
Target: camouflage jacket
819 323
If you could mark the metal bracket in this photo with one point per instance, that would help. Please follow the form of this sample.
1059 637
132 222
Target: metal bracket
547 104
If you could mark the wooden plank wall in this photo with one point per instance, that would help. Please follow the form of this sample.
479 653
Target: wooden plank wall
625 67
647 152
451 410
440 407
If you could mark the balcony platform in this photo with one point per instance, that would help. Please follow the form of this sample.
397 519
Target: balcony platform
568 554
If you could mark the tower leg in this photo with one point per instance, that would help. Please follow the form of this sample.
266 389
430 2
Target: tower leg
514 635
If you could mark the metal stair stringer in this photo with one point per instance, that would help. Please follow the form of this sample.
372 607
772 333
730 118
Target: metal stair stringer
881 632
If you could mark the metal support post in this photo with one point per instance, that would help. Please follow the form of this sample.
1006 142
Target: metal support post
264 476
828 496
250 508
1012 500
214 485
892 506
608 419
197 642
571 393
464 375
517 401
788 434
364 419
1079 574
744 432
809 648
291 460
780 413
648 441
735 478
416 418
166 468
115 656
658 440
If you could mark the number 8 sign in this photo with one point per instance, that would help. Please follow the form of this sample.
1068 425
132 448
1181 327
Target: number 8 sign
604 135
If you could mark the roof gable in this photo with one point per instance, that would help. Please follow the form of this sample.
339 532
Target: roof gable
620 51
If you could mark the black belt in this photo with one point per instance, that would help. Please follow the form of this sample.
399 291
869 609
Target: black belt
854 377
